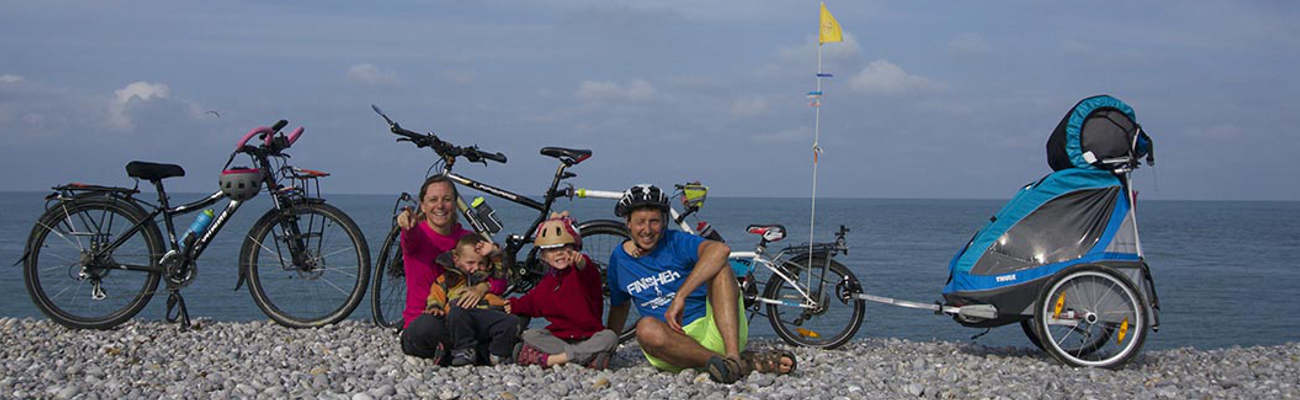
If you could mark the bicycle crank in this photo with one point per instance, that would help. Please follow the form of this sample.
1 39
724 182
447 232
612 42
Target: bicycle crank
178 273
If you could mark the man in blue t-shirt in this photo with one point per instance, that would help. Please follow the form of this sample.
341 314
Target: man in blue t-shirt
691 314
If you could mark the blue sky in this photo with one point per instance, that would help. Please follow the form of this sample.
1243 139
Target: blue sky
929 99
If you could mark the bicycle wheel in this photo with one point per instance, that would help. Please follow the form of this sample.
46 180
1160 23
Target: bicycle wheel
599 239
1081 309
1084 348
1027 325
318 287
79 289
834 316
388 296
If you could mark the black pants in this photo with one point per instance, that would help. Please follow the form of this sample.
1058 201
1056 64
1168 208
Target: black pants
472 327
422 337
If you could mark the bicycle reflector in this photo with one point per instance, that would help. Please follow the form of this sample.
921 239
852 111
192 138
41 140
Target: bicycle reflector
240 183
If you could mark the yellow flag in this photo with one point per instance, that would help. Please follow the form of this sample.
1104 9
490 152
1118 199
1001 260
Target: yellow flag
830 28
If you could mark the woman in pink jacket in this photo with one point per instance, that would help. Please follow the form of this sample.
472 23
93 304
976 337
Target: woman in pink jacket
433 230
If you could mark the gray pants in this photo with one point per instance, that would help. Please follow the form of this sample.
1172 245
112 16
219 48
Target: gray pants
579 351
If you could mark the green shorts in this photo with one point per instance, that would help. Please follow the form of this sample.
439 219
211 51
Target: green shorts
705 332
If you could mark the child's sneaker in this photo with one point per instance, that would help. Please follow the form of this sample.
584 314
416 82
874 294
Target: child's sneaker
529 355
601 360
460 357
494 359
439 355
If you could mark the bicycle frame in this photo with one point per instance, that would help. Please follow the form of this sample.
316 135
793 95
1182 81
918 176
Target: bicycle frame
756 257
514 242
279 200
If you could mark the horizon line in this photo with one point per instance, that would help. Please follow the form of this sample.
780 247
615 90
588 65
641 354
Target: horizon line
755 197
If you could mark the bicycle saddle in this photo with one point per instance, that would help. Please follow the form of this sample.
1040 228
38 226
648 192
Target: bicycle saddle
771 233
569 157
153 171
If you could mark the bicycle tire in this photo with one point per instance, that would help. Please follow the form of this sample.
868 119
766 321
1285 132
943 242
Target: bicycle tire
836 292
388 294
277 288
143 247
598 240
1105 281
1027 325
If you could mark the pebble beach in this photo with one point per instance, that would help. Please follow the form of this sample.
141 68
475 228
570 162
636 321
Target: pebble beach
355 360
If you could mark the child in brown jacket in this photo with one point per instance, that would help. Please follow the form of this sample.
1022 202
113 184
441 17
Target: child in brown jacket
472 321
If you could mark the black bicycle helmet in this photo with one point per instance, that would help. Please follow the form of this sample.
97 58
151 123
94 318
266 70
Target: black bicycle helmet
639 196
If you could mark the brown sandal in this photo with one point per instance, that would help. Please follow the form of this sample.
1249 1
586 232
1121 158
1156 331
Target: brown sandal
768 362
726 370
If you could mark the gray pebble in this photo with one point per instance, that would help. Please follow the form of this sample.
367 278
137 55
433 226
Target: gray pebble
67 392
39 359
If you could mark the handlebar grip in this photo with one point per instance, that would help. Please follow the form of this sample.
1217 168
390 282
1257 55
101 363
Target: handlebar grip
402 131
278 125
498 157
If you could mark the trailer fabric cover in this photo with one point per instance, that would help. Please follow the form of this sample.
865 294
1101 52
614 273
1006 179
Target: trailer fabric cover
1068 217
1095 129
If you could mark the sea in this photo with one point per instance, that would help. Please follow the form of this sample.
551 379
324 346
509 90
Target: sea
1225 271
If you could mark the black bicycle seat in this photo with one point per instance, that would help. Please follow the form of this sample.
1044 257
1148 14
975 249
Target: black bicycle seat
570 157
153 171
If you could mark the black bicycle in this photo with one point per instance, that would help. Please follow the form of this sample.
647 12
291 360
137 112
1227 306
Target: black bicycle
95 256
599 236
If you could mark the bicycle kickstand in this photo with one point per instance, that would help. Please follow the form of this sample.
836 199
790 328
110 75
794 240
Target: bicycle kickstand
176 302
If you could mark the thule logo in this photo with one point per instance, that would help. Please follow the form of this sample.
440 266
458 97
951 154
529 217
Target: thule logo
1006 278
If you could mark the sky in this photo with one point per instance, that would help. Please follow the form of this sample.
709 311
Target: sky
928 100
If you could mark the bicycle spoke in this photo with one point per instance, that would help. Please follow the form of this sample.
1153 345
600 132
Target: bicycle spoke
57 267
59 294
76 245
342 270
340 250
336 287
276 252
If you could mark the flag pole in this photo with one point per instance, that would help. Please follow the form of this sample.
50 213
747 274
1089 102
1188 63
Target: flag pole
816 149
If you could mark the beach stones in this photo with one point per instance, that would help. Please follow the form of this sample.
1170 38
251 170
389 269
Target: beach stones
354 360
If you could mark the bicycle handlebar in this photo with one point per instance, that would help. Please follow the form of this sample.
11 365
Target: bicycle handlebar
442 148
268 136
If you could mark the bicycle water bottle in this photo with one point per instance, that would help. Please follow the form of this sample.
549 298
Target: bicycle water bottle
197 228
486 215
740 267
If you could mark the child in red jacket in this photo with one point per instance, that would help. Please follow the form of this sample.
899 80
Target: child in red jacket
570 298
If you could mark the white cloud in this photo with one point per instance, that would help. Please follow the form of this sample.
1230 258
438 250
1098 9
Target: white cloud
785 136
636 90
140 91
370 74
883 77
10 78
748 106
969 43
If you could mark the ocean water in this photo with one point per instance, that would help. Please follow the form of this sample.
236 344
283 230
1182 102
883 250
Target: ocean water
1225 272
